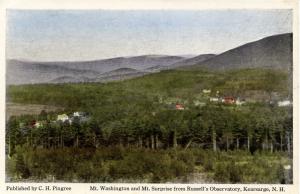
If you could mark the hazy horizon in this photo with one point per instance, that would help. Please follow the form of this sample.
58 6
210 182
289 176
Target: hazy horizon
64 35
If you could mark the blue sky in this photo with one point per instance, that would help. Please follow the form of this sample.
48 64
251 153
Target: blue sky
54 35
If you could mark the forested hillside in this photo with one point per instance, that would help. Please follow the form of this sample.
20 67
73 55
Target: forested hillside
153 116
271 52
173 83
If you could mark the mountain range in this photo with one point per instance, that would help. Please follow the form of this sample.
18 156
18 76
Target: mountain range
270 52
31 72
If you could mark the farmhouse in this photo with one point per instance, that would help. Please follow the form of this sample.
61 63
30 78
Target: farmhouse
63 118
229 100
214 99
81 116
38 124
239 102
179 106
284 103
206 91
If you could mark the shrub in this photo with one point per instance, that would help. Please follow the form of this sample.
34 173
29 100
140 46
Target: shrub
188 158
144 165
85 171
235 172
228 172
178 168
162 170
22 169
221 173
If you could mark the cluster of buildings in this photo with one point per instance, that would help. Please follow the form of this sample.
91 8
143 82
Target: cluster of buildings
173 103
227 100
81 117
284 103
238 101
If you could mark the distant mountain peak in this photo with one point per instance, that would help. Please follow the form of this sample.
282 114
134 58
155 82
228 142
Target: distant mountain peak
269 52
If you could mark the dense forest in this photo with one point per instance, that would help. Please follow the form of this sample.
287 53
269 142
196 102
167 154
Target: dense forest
135 133
212 126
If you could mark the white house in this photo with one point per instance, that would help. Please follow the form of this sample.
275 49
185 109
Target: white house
206 91
214 99
63 118
284 103
239 102
82 116
78 114
38 124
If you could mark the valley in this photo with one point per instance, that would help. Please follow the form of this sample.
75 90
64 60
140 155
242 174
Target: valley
212 118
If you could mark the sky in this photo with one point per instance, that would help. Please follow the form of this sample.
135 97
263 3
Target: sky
72 35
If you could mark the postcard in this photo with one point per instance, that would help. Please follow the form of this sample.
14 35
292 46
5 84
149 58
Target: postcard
149 97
